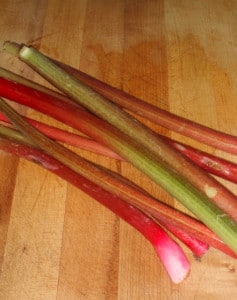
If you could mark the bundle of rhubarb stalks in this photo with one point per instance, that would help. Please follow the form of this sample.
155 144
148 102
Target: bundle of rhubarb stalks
106 116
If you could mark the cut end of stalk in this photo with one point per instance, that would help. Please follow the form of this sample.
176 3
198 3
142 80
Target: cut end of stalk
24 51
12 47
174 260
200 249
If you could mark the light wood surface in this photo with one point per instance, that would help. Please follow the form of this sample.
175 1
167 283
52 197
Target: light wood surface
57 243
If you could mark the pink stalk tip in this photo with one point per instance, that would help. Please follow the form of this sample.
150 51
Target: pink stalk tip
170 253
173 258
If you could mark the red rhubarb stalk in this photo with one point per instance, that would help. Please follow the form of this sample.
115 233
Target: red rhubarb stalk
89 124
212 164
169 252
196 246
69 138
114 184
201 133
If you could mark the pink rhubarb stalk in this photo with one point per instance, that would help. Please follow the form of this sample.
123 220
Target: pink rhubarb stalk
169 252
61 109
69 138
210 163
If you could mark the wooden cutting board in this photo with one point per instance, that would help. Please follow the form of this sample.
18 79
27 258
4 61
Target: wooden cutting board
56 242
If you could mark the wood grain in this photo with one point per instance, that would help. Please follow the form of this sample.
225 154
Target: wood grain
56 242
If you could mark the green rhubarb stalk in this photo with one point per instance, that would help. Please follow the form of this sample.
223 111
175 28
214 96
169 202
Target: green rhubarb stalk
191 197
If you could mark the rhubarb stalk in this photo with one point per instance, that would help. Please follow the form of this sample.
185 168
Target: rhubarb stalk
201 133
212 164
69 138
113 184
196 246
169 252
